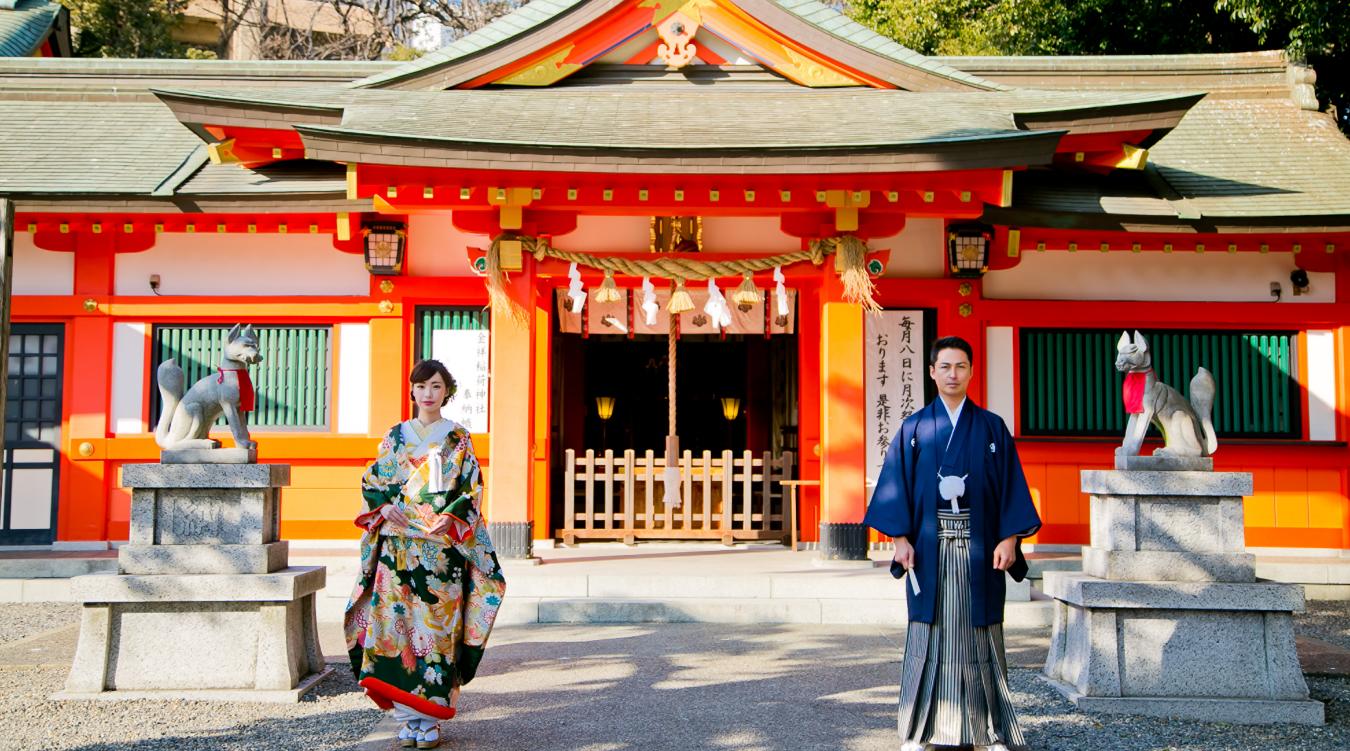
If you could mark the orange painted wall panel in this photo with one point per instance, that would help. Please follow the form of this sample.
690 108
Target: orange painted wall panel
1326 505
1259 508
1291 497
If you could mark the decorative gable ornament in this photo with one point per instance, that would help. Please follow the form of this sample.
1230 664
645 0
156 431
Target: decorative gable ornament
677 35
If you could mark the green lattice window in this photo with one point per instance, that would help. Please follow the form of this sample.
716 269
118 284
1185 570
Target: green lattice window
293 382
1070 385
463 349
431 320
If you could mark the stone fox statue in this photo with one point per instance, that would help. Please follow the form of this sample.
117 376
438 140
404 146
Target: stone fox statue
187 417
1185 425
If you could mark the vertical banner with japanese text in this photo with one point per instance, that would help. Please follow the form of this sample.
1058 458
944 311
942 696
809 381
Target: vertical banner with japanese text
893 364
465 354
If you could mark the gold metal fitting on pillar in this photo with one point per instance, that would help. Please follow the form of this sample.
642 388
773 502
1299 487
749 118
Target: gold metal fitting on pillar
386 286
965 310
85 449
90 304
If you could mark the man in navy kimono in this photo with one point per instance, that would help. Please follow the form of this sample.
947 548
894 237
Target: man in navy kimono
953 496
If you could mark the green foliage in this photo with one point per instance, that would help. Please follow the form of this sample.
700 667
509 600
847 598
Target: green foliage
1316 31
124 28
404 53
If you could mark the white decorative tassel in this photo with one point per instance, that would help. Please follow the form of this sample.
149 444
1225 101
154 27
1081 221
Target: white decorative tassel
716 307
575 290
780 290
649 305
436 470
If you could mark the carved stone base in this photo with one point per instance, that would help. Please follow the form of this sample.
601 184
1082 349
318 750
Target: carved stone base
238 634
1165 463
513 540
209 456
843 542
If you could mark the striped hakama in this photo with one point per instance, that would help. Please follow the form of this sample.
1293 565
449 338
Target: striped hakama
954 682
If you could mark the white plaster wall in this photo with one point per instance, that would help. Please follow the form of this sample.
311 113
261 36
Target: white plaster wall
437 248
353 384
747 234
41 272
1321 386
917 252
207 263
999 374
128 377
608 234
1193 277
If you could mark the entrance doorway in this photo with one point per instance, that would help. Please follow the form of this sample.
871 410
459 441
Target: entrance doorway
29 482
736 416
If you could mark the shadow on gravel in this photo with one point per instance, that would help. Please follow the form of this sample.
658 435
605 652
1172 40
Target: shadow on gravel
311 733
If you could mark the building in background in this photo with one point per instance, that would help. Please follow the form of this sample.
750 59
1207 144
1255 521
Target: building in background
34 28
1035 206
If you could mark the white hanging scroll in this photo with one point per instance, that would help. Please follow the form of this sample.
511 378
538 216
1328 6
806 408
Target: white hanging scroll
893 362
465 355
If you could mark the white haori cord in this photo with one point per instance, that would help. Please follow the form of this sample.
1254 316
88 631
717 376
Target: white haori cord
951 488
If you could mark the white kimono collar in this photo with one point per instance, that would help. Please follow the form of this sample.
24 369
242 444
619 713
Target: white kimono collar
436 433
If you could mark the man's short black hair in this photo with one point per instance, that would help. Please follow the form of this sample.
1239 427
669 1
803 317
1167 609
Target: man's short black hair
424 370
950 342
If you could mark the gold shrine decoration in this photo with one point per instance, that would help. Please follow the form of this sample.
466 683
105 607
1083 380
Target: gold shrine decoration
850 261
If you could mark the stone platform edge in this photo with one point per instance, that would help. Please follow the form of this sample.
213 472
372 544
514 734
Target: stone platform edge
1169 484
280 586
254 696
1083 590
205 476
1235 711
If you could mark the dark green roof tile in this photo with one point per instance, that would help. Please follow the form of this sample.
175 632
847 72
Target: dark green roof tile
25 27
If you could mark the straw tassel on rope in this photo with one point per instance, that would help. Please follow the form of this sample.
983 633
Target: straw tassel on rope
498 297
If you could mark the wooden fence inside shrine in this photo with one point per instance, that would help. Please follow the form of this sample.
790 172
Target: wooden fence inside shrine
725 497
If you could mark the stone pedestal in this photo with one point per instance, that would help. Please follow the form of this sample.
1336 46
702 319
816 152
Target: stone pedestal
204 605
1167 617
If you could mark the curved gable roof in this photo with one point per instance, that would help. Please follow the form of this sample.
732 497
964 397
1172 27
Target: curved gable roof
540 23
25 24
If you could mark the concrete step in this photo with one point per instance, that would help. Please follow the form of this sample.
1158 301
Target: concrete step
524 610
47 567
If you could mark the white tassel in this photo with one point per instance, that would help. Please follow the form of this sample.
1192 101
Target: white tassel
780 290
436 480
575 291
649 305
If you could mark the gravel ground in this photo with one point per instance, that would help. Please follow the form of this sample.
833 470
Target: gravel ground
1328 620
622 688
23 621
334 716
36 642
1051 724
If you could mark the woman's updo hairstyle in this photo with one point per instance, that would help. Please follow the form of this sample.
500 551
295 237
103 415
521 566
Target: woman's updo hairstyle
424 370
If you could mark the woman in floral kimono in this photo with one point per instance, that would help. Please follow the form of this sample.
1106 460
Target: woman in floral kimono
430 585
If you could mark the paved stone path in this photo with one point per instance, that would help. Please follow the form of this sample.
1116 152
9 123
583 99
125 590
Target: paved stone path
677 687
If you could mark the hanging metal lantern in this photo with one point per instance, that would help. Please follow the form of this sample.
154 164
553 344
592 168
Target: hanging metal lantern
384 248
968 249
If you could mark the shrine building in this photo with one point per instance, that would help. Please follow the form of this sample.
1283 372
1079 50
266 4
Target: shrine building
791 205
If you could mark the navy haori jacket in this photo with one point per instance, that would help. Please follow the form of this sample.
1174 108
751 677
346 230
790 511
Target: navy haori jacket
905 502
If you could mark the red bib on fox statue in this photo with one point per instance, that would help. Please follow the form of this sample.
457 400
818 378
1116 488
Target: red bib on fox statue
1135 385
246 398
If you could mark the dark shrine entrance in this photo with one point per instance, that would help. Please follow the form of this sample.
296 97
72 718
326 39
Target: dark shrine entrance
736 415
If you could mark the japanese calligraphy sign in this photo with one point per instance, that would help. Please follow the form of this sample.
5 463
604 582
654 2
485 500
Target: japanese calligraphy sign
894 366
465 355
